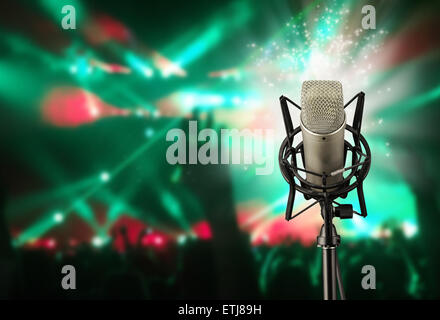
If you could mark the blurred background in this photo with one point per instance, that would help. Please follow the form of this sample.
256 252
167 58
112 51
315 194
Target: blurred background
84 180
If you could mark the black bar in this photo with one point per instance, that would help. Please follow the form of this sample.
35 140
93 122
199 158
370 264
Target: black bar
339 278
351 100
290 202
329 273
303 210
357 120
287 119
361 198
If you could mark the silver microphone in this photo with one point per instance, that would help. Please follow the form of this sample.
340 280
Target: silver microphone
322 126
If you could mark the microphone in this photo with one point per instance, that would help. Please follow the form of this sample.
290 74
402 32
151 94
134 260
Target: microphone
322 126
323 150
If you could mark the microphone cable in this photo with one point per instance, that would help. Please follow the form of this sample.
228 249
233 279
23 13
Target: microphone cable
339 278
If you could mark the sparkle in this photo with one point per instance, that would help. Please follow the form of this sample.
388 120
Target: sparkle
149 132
104 176
97 241
58 217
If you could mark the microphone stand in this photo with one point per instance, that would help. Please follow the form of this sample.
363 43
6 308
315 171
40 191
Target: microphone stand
324 194
329 240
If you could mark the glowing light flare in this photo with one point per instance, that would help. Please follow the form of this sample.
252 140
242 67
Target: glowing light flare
81 67
381 233
154 239
104 176
233 73
109 67
58 217
149 132
196 99
181 239
250 214
51 243
98 241
139 64
173 106
42 243
73 69
184 102
105 28
249 217
409 229
72 107
202 230
328 52
166 66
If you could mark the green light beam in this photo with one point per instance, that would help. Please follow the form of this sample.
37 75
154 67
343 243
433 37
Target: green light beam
173 207
35 230
83 209
80 203
266 210
403 107
144 148
220 27
23 203
128 209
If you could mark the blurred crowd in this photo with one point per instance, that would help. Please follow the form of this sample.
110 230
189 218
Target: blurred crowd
189 271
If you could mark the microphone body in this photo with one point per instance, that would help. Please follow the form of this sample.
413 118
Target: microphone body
322 126
323 153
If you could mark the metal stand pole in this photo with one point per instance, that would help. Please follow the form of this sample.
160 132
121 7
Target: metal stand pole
328 240
329 273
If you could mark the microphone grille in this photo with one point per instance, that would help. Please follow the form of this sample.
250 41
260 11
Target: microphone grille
322 106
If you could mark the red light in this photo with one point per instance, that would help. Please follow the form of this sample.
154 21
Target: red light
202 230
158 240
72 107
51 243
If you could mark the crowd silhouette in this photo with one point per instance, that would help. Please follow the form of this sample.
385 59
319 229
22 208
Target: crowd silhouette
189 271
